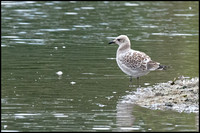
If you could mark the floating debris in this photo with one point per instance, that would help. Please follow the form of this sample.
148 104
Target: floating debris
59 73
72 83
100 105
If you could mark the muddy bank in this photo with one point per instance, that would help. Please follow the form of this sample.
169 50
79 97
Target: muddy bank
181 95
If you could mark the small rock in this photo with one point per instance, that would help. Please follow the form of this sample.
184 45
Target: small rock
168 104
159 94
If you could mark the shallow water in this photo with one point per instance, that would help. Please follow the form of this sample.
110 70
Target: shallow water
41 38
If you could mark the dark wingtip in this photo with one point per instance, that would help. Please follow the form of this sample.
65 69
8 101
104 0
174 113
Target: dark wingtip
162 67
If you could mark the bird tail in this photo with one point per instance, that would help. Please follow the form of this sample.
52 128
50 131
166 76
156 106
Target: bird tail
162 67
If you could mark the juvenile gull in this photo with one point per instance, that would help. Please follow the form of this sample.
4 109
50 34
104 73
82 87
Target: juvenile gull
133 63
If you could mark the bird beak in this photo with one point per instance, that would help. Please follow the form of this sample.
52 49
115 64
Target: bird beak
111 42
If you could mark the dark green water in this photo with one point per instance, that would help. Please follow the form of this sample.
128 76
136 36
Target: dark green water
41 38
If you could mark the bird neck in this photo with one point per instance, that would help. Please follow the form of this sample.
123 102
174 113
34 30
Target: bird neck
124 47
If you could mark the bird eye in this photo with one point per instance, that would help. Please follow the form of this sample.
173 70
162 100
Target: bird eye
118 40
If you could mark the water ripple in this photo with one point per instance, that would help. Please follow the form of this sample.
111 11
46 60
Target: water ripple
131 4
82 26
173 34
71 13
87 8
188 15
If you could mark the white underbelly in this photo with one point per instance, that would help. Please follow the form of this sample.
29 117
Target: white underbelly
131 72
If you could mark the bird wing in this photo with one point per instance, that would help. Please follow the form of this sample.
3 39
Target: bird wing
135 60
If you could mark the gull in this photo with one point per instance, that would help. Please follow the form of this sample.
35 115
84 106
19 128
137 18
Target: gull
131 62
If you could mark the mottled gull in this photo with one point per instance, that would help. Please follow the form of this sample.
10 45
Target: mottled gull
133 63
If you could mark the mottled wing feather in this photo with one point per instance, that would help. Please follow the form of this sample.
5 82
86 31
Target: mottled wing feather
135 60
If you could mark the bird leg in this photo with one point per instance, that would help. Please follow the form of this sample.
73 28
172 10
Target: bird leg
138 81
131 78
